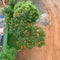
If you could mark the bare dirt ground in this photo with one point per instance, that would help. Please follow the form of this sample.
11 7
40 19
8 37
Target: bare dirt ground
51 50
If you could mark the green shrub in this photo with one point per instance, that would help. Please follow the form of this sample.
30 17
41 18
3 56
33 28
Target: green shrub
21 19
25 0
8 54
22 26
26 11
12 41
27 37
8 11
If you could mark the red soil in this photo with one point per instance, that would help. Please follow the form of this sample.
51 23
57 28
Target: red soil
51 51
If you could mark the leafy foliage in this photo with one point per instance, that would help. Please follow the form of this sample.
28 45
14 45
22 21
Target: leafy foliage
25 0
8 11
22 26
8 54
12 41
26 11
27 37
21 19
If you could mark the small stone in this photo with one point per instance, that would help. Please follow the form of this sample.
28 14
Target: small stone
44 19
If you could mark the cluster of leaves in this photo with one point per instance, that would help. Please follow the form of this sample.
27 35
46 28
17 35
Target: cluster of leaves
8 54
12 40
22 26
26 11
27 36
25 0
8 11
21 18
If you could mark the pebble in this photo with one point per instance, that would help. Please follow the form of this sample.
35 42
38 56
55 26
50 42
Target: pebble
44 19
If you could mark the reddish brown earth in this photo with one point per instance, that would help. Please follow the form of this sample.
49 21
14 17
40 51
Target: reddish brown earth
51 50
